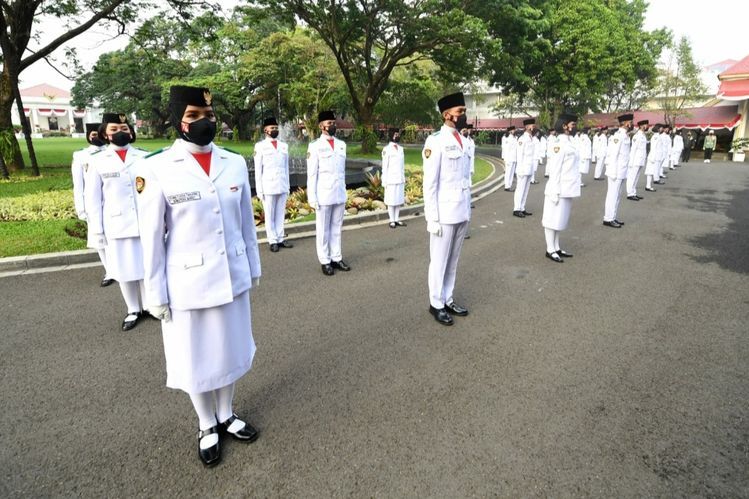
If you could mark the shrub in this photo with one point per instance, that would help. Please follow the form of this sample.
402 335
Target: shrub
257 208
77 228
367 137
375 187
52 205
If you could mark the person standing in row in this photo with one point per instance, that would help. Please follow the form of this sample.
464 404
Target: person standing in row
525 160
540 141
665 136
654 159
79 169
600 146
563 185
447 206
637 158
326 191
676 150
201 260
688 146
550 143
271 158
586 153
394 177
709 146
617 161
509 155
112 212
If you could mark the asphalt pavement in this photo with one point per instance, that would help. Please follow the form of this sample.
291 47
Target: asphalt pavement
623 372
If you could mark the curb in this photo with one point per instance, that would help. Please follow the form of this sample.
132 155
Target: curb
18 265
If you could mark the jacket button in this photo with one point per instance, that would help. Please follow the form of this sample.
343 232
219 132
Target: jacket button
221 252
212 190
216 210
219 231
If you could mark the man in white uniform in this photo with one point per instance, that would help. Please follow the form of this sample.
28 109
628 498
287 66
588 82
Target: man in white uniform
394 177
585 147
600 152
447 206
509 154
617 161
676 150
326 191
665 137
540 153
79 168
654 158
525 160
637 159
272 182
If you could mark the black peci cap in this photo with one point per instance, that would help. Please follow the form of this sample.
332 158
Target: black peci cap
625 117
325 115
92 127
643 122
450 101
191 96
270 121
529 121
118 118
567 117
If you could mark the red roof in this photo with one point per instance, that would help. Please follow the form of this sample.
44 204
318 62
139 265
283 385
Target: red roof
722 64
734 89
740 68
45 90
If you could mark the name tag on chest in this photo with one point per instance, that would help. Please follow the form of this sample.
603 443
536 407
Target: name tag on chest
183 197
110 175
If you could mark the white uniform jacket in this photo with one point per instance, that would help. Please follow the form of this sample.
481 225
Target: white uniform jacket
639 154
78 169
525 155
585 146
471 149
393 165
512 148
198 231
447 179
563 169
271 167
677 148
656 154
550 143
326 172
542 147
110 193
617 155
667 146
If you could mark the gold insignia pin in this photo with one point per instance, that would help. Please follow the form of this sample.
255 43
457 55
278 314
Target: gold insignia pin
309 154
208 98
140 184
427 153
556 149
123 118
616 141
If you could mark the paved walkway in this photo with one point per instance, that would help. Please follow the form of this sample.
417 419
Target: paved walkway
622 372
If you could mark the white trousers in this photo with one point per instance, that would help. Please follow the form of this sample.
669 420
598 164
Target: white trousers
633 176
274 206
444 252
599 168
509 174
662 166
521 191
552 240
613 195
103 258
134 294
328 223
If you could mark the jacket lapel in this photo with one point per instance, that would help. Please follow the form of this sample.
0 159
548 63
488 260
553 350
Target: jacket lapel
219 160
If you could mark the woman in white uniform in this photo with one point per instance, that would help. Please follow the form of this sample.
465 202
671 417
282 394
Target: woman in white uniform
563 185
394 177
112 213
201 259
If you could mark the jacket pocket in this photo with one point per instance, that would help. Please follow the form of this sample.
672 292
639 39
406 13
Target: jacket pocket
186 260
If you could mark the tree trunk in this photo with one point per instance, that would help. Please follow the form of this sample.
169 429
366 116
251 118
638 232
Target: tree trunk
3 168
26 130
8 144
365 121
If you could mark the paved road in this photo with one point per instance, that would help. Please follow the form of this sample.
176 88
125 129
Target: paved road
622 372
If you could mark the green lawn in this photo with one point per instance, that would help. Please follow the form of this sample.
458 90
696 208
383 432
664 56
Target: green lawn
54 156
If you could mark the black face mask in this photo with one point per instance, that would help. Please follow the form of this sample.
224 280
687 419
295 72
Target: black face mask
121 139
96 141
200 132
396 139
461 122
331 130
274 134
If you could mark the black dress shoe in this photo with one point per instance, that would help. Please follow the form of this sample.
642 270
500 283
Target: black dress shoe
274 248
564 254
659 182
639 197
127 325
534 182
106 282
403 224
633 198
341 265
456 309
146 314
509 189
211 455
613 224
527 213
554 256
245 434
441 316
285 244
618 221
393 225
650 189
518 213
327 269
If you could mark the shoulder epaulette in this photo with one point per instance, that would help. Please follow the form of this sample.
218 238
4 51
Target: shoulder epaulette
435 133
97 152
230 150
158 151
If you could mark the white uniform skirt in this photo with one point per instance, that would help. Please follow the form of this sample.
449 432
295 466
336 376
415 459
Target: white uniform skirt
584 166
395 194
651 167
125 259
208 348
556 216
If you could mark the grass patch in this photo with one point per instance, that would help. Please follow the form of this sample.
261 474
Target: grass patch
29 238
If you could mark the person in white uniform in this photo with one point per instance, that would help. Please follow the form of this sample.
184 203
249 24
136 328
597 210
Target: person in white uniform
600 152
78 170
201 259
585 146
326 191
509 155
563 186
676 150
394 177
617 161
665 136
525 162
271 158
550 142
112 212
540 153
654 158
447 206
637 158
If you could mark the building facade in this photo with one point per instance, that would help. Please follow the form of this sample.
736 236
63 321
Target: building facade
49 110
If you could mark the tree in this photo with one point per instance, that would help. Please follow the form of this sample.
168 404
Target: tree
410 96
679 84
370 38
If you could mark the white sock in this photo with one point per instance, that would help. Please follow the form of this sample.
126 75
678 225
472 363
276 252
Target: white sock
204 405
396 212
130 292
556 240
649 181
549 234
224 399
391 213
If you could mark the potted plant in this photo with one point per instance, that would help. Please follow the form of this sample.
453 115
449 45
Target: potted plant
738 148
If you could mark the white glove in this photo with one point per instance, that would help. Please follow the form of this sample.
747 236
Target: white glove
99 240
316 206
82 216
554 198
255 282
161 312
434 228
